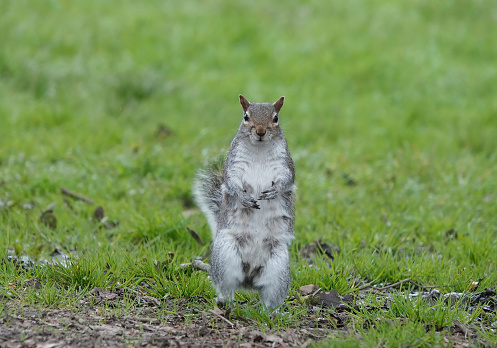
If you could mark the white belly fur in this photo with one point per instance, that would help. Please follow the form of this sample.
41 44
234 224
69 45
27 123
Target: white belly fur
261 224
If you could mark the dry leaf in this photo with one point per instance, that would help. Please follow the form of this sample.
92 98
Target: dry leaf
329 298
99 214
195 236
48 219
217 311
308 289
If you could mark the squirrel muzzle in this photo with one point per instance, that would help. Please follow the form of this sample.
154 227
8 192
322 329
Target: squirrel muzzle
260 131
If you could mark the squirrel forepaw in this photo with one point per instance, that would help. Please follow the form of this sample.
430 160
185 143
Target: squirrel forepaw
268 194
250 203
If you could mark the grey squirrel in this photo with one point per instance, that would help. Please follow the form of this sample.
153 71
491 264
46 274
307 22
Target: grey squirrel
249 206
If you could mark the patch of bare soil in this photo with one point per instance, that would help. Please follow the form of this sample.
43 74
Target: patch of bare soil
102 320
95 323
124 317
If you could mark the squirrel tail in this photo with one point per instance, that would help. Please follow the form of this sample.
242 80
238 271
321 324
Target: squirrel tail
207 192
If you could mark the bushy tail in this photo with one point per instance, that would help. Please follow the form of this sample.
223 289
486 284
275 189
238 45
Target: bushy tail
207 192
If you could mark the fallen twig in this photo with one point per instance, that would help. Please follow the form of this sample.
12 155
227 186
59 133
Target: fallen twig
145 320
201 266
407 280
467 332
198 265
220 316
75 195
67 203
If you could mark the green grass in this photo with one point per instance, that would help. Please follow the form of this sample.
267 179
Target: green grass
408 323
390 116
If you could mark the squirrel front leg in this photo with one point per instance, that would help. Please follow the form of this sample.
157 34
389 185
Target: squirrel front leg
243 196
276 188
247 201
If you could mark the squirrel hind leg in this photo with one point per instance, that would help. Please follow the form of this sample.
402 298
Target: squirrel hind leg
275 279
226 268
224 296
223 301
273 295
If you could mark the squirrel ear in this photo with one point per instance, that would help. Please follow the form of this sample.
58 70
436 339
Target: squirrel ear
245 103
278 104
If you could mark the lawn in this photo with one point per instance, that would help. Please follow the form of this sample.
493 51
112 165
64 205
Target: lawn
391 118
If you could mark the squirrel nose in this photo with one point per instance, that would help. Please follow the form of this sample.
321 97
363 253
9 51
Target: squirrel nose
260 131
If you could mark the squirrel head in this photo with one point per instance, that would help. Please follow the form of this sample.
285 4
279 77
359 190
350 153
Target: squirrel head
261 120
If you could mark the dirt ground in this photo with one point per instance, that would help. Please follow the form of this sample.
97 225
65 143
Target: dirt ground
89 327
124 317
99 321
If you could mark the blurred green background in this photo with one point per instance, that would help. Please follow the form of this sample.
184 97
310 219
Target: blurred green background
390 115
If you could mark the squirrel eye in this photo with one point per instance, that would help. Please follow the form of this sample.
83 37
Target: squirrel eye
275 119
245 117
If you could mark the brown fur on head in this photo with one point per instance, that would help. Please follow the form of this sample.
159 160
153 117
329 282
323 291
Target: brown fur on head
261 118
